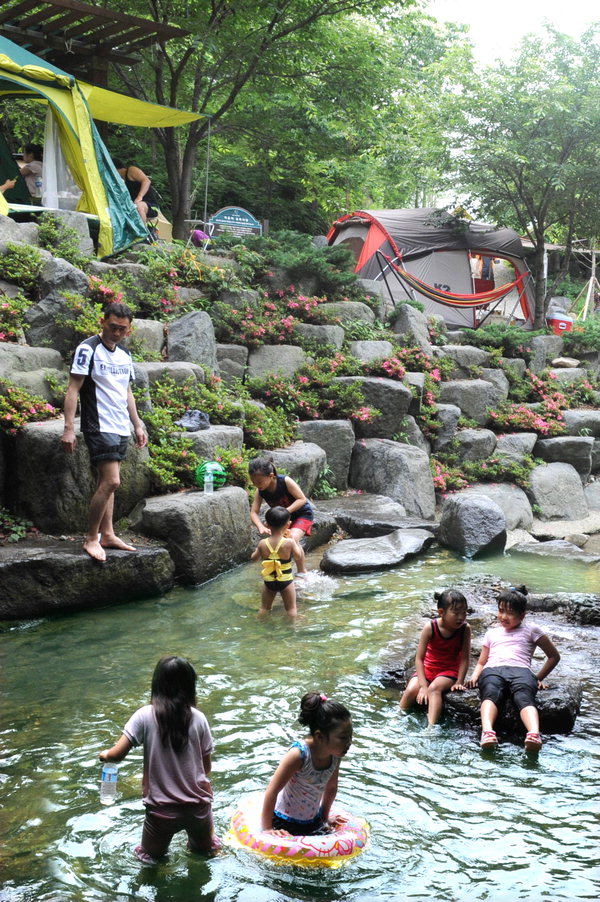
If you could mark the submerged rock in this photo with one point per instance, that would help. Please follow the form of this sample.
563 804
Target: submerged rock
360 555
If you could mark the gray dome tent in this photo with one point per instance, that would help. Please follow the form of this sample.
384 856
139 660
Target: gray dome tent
443 261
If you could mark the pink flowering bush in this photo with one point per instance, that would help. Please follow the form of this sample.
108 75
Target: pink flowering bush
12 312
546 419
18 407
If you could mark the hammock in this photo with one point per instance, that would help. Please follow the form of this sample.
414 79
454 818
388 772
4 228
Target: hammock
447 297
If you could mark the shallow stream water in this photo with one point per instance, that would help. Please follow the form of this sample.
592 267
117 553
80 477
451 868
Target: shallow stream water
448 822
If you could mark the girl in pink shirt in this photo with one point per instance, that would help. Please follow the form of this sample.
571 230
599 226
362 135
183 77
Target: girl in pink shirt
177 761
504 668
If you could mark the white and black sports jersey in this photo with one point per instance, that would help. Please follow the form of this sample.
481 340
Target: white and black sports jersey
104 391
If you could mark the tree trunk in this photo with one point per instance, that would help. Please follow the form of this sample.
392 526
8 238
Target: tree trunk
540 285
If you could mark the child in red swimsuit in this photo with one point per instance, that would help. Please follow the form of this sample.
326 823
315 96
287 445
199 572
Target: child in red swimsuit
442 658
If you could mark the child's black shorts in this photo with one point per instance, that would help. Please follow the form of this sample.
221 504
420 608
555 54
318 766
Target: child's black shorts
500 683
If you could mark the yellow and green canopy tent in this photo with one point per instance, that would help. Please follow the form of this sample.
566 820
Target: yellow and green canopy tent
75 104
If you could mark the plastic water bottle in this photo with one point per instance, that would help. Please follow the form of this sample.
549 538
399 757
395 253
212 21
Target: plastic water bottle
38 186
108 785
209 481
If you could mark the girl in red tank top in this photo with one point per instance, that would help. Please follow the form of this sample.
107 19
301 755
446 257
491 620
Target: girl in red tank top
442 658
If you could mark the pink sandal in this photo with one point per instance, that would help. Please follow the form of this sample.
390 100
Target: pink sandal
533 742
488 739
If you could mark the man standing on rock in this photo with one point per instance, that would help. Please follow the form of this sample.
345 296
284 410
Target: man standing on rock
101 376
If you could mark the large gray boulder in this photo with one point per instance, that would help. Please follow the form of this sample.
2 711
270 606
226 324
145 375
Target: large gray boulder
448 416
178 372
545 348
204 534
555 548
571 449
516 445
148 335
512 501
400 472
362 515
348 311
53 489
412 325
475 397
336 438
232 360
283 359
58 275
472 524
592 495
558 707
303 461
582 422
564 378
465 359
39 579
321 335
497 378
514 364
475 444
410 434
391 398
360 555
192 339
46 324
368 351
12 232
557 492
15 358
206 442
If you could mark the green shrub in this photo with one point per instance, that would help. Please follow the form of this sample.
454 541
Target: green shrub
511 340
21 265
61 240
584 338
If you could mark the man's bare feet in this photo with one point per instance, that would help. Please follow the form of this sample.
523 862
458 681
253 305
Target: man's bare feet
116 542
95 550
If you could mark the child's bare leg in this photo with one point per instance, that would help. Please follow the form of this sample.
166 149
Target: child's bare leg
288 596
298 535
267 597
410 694
435 697
489 713
531 718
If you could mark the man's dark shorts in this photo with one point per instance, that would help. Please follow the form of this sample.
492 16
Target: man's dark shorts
106 446
499 683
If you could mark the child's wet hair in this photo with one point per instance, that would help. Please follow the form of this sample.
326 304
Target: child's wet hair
261 466
514 599
277 517
450 598
317 712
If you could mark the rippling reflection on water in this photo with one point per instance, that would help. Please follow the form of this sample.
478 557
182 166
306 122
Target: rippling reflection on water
448 823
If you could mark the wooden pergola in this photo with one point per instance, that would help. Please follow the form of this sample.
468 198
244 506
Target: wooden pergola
80 38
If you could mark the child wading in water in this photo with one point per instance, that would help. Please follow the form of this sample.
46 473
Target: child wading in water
302 789
280 491
276 554
177 760
442 658
504 668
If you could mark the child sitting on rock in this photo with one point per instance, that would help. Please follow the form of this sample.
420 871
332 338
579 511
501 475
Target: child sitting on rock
276 553
442 658
504 668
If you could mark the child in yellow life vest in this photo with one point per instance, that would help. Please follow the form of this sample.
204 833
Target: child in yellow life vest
276 553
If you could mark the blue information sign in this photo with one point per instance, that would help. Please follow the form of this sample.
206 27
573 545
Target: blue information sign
235 220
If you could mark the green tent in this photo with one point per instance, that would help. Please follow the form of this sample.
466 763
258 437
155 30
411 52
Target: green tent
74 106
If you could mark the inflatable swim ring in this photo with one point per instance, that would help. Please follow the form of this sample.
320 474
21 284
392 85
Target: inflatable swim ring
331 850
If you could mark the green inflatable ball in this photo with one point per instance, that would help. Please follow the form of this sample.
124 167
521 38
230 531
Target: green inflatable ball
218 473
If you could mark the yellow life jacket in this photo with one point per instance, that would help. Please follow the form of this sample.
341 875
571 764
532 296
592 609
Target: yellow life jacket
273 568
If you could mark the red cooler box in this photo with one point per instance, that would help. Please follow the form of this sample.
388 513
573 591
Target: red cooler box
560 322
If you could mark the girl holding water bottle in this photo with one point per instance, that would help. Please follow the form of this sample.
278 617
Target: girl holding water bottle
177 761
